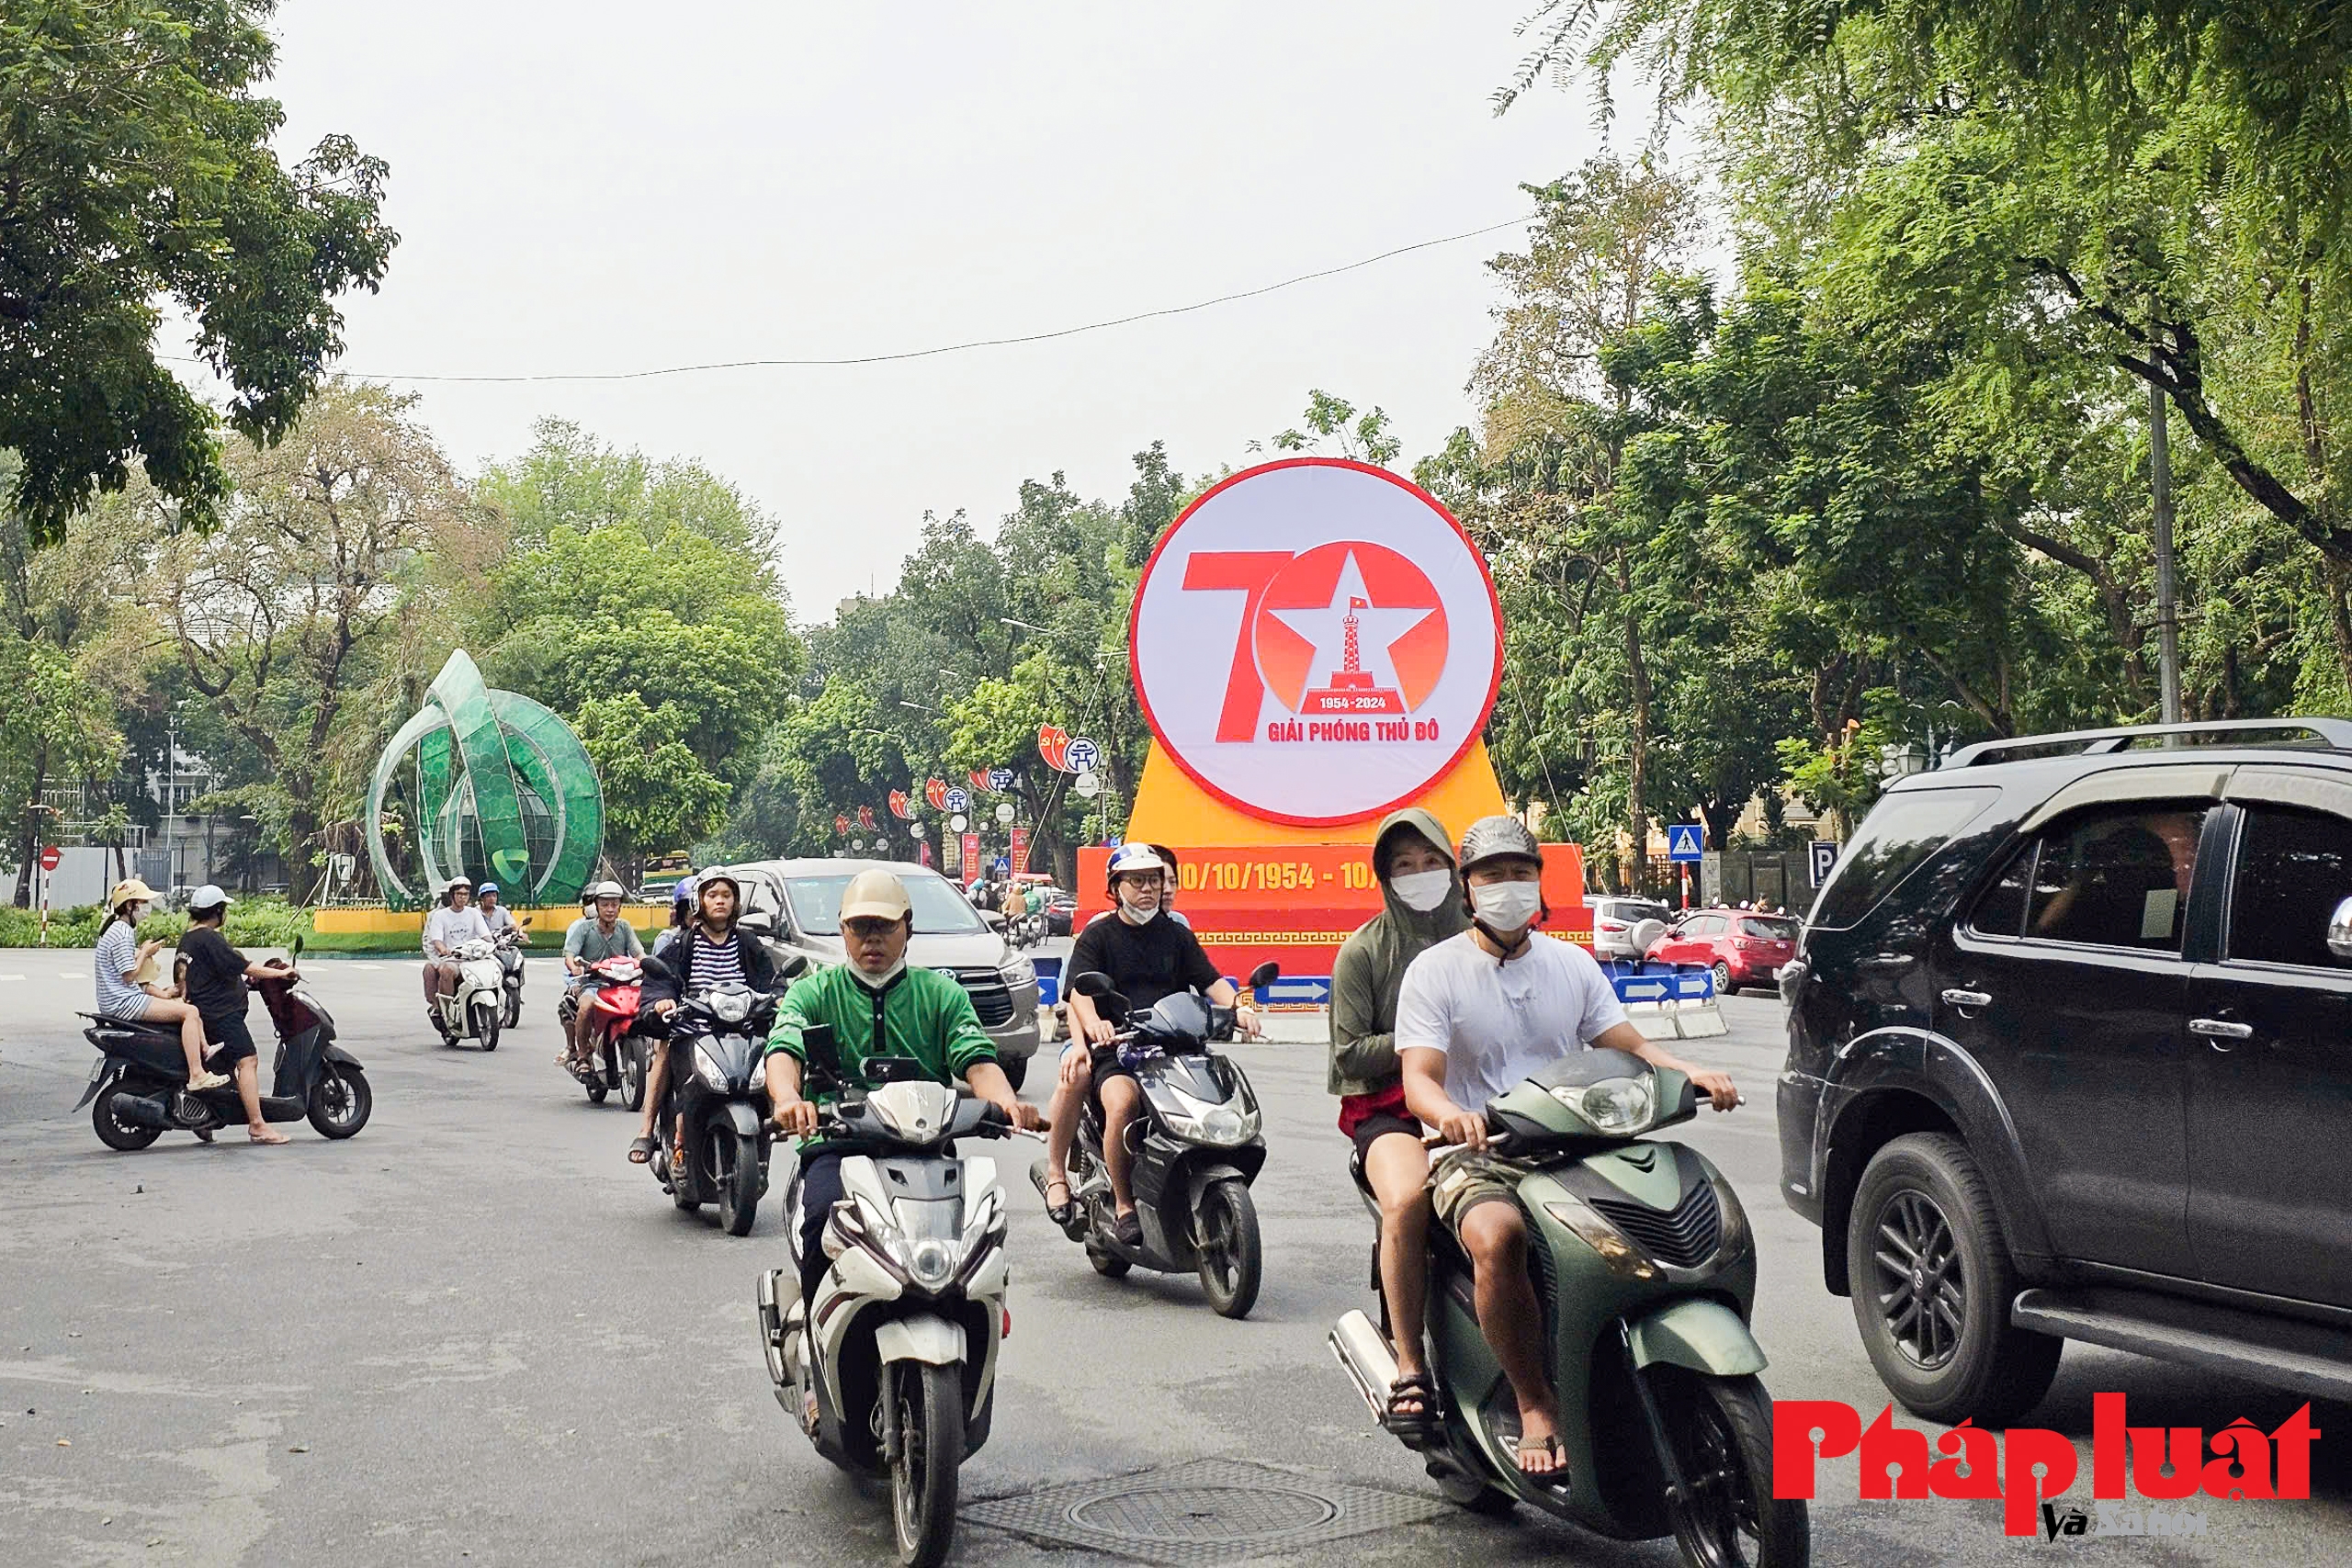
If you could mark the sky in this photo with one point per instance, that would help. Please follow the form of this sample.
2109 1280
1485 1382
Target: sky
600 188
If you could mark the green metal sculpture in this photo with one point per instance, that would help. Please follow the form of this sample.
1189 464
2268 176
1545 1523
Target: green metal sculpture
503 792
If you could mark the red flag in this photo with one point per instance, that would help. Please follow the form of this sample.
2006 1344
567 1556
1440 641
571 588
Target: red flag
935 792
1053 744
841 826
899 805
979 777
866 816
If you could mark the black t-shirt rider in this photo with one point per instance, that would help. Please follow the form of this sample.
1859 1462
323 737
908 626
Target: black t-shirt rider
1145 962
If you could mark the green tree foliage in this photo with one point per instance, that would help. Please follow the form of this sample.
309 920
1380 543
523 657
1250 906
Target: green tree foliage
658 793
136 168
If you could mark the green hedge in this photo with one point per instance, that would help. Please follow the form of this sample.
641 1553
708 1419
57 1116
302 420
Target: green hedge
259 922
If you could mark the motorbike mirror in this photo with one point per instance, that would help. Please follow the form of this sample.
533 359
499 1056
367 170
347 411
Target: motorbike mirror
759 922
1095 983
1266 974
793 966
295 950
2339 931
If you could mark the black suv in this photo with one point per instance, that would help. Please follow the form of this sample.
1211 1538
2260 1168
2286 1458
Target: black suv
2070 1057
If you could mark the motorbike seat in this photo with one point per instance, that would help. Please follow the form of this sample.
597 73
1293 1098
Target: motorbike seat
145 1026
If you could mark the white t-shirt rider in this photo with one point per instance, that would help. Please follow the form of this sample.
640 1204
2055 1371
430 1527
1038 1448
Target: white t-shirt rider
1499 1023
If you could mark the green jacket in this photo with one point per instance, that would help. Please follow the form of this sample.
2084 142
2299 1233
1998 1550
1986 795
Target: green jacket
1370 969
921 1013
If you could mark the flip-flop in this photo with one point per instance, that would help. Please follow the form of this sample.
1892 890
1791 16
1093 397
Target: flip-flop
1128 1229
1059 1213
265 1136
641 1151
1550 1446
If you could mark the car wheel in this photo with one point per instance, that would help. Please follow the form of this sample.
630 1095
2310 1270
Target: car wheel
1932 1280
1723 979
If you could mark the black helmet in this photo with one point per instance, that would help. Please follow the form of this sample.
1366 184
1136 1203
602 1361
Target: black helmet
1497 838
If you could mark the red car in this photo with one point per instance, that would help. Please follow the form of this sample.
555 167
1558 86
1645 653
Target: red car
1743 947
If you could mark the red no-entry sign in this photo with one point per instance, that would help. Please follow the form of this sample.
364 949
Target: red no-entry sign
50 857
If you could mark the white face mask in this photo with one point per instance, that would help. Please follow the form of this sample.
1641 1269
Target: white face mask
1423 890
1506 905
876 982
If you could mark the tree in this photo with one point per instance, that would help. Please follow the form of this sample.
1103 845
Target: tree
136 168
657 791
299 597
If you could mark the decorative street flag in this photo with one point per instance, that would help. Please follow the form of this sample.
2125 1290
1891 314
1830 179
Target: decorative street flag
841 826
1020 850
935 792
899 805
972 852
980 780
1053 744
866 816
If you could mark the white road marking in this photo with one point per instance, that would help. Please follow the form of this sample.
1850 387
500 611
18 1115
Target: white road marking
72 974
11 976
367 966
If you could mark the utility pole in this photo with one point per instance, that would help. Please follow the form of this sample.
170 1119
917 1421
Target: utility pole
2159 483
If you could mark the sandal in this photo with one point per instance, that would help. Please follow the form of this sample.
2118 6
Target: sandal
641 1151
1549 1446
1416 1390
1128 1229
1059 1212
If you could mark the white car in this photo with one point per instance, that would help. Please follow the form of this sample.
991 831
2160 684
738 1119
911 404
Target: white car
1613 920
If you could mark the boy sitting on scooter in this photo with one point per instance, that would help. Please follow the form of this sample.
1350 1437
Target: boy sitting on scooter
1478 1014
214 984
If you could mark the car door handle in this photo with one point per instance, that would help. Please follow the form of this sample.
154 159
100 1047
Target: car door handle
1967 999
2220 1028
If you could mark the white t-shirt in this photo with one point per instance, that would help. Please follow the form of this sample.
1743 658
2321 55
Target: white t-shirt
452 928
1499 1023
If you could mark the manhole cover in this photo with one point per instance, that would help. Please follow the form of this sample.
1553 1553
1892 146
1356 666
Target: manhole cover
1211 1511
1203 1513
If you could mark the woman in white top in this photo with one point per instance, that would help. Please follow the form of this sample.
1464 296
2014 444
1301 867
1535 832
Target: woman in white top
121 994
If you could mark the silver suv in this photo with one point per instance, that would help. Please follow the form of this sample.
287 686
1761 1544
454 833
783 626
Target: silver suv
1613 920
794 906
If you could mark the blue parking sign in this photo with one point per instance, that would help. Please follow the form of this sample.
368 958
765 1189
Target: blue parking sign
1686 840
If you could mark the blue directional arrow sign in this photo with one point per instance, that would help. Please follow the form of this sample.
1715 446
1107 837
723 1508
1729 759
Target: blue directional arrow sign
1686 840
1642 990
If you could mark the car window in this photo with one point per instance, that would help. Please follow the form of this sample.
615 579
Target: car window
1903 830
759 894
1769 928
1703 925
2001 911
939 909
2293 868
2117 876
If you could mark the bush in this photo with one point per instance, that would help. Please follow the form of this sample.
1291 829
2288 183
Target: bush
260 923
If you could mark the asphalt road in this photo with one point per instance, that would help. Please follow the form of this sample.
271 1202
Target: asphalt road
476 1334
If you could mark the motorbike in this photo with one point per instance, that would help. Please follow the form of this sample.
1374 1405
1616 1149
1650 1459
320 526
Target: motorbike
1198 1142
619 1054
1645 1266
898 1380
718 1082
509 943
138 1088
476 1008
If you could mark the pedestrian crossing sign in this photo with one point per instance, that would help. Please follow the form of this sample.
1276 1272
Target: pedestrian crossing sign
1685 841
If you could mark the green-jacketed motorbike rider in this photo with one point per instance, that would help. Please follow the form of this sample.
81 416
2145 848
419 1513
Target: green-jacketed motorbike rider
875 1006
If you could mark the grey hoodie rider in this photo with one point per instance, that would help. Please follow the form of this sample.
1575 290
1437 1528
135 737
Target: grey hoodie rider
1370 966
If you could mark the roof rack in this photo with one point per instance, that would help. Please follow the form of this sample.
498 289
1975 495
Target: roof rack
2336 733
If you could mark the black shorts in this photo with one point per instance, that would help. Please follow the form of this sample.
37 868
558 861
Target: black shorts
1379 1124
231 1042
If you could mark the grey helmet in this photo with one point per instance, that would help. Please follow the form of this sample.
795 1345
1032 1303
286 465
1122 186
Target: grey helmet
1497 838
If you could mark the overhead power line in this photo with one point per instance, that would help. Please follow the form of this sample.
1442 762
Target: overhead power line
937 350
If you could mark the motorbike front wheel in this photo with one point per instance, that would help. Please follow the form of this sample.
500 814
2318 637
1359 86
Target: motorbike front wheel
1721 1432
633 1069
114 1131
514 1008
340 1101
486 1026
931 1452
1233 1263
735 1164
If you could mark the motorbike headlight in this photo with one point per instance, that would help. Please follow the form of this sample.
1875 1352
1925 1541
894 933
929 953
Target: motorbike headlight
706 1068
1224 1125
1618 1106
732 1007
931 1261
1019 972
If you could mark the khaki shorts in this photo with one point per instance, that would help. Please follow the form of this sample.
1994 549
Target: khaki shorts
1467 1177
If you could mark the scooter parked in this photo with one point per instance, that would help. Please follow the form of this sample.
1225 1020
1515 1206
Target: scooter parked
509 943
618 1053
1199 1144
902 1364
1648 1266
717 1083
138 1089
476 1008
